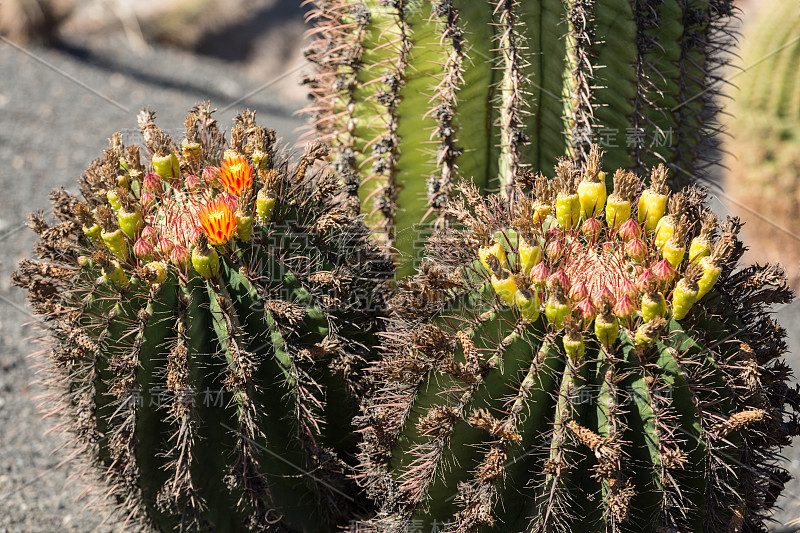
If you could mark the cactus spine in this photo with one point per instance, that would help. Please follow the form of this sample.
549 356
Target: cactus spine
209 358
414 94
602 413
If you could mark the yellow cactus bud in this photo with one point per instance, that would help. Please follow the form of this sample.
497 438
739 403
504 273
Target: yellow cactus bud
117 276
556 310
574 346
130 222
205 259
568 208
93 233
665 229
683 297
711 273
648 333
496 250
529 255
606 328
116 242
540 212
652 206
244 228
673 252
592 197
506 288
528 307
192 151
618 210
265 203
653 305
113 199
158 271
700 247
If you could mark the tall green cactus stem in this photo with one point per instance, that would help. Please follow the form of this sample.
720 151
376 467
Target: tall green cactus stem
413 95
521 397
209 353
764 145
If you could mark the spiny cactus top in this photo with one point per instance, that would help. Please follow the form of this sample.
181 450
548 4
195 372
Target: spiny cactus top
568 361
412 94
211 308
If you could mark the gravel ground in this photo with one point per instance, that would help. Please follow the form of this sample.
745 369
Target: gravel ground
50 129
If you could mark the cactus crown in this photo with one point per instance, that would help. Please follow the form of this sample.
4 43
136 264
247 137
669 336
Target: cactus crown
566 380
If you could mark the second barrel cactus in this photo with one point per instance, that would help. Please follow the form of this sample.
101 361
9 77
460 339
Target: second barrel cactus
560 369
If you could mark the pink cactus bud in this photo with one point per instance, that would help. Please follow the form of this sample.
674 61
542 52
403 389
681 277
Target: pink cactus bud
561 276
555 249
663 270
146 199
165 247
644 279
625 307
586 310
636 249
578 291
149 234
152 182
191 182
629 230
627 287
211 175
179 256
604 292
142 249
540 273
592 227
552 234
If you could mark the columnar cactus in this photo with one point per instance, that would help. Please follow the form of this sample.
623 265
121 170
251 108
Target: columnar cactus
211 309
413 94
553 368
764 147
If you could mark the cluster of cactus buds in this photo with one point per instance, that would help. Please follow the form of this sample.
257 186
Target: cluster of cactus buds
593 254
213 306
570 359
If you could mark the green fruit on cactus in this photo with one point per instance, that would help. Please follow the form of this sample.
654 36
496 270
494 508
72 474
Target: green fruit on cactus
764 144
589 416
217 393
413 95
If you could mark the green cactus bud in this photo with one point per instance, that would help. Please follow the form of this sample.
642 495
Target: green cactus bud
167 166
205 259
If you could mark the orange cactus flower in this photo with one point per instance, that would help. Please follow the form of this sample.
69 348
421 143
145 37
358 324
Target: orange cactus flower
236 174
218 220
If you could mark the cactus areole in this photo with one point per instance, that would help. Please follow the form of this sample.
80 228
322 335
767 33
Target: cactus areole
211 311
598 390
414 95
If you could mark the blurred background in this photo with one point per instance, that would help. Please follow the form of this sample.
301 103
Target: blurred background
75 71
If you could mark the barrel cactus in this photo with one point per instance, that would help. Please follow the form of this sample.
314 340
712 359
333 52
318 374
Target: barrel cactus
414 94
764 146
554 368
212 307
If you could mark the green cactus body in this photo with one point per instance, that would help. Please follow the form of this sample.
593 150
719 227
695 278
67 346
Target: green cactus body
483 419
217 396
414 95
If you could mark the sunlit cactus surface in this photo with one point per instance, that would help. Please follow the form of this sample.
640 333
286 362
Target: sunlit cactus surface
415 95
